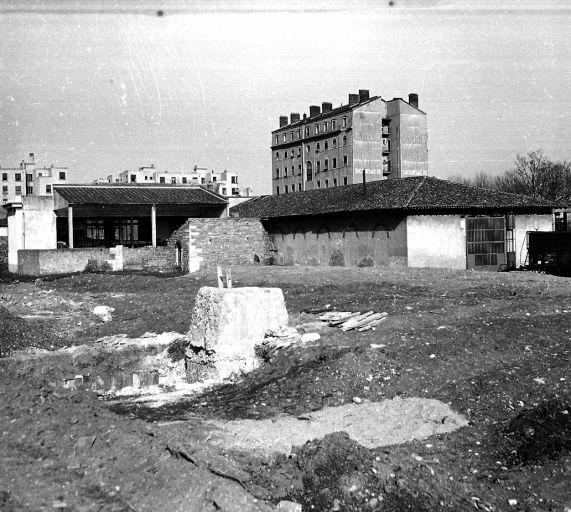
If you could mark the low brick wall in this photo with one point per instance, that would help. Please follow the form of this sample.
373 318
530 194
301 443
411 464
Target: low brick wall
152 259
226 241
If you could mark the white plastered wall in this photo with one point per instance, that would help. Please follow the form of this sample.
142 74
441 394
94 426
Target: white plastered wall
523 224
436 241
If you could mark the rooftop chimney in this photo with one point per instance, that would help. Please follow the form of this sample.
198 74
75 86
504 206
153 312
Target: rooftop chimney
413 99
304 116
363 95
314 110
353 99
283 121
294 117
326 107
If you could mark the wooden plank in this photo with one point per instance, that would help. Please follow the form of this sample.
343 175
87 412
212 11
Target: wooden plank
363 321
338 322
372 324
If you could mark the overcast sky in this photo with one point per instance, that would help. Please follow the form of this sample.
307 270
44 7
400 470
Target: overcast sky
102 88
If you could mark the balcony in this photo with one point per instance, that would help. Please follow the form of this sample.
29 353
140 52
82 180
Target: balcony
385 130
386 146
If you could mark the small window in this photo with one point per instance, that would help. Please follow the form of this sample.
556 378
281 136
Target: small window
4 176
316 128
299 169
292 153
344 140
309 170
235 192
334 164
292 170
326 145
18 190
345 160
234 179
318 166
307 131
133 177
223 191
325 126
18 176
326 164
29 190
334 182
5 189
29 177
203 180
291 136
286 189
48 189
345 180
334 143
277 155
326 183
318 184
333 124
344 122
277 173
162 179
213 178
308 148
298 134
299 187
317 147
299 151
285 171
277 140
184 180
173 181
285 137
277 191
62 175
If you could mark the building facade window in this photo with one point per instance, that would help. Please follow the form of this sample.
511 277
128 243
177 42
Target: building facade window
184 180
316 129
344 122
234 179
133 177
345 160
326 145
307 148
298 134
299 169
334 163
344 140
309 171
285 137
95 229
317 166
318 184
277 155
62 175
17 177
277 140
286 189
4 176
18 190
291 136
334 182
277 173
326 183
29 190
334 143
292 153
325 126
299 151
317 147
326 164
29 177
4 189
277 191
333 124
162 179
345 180
307 131
299 187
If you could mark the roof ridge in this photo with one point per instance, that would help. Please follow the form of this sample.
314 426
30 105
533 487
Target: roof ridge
423 179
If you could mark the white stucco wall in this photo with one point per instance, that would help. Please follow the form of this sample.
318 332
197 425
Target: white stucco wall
39 223
436 241
15 238
523 224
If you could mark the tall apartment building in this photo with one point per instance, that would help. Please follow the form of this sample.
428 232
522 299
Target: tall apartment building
332 147
29 179
224 183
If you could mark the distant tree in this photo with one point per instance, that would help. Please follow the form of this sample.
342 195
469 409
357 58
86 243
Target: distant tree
535 175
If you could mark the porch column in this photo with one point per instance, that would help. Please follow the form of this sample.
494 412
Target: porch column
154 225
70 226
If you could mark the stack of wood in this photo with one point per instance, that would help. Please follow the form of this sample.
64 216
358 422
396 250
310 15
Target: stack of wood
347 321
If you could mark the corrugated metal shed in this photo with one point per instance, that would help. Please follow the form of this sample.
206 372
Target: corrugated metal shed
137 195
414 194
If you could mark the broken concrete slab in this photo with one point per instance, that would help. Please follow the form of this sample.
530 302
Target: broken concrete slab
226 325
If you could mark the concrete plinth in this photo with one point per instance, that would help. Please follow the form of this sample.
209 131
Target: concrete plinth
226 324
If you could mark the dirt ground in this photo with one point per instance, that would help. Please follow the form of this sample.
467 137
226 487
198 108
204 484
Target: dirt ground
494 347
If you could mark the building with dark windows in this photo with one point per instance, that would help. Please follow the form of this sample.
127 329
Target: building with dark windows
368 138
29 179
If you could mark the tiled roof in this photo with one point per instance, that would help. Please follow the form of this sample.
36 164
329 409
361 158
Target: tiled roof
124 194
422 193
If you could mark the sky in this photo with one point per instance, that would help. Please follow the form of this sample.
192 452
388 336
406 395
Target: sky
105 86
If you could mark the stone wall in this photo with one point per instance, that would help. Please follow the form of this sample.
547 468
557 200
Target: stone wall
152 259
226 241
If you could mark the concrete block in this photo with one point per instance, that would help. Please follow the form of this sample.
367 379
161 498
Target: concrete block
227 324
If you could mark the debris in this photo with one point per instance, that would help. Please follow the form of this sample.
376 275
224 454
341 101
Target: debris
103 312
357 400
308 337
316 311
512 502
377 345
348 321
